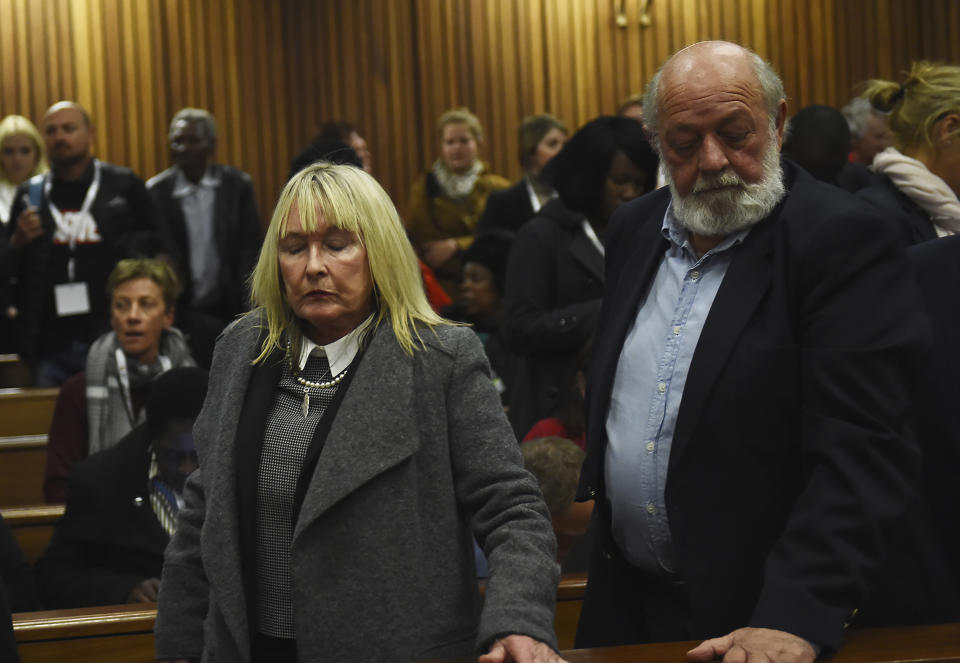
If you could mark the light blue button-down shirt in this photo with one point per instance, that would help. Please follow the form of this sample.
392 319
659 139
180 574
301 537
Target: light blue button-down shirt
647 390
198 202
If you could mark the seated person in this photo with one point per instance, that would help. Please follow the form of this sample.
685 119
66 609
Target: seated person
122 504
103 403
481 302
555 462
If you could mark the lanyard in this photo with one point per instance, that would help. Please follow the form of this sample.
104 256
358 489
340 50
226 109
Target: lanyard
165 365
592 236
71 224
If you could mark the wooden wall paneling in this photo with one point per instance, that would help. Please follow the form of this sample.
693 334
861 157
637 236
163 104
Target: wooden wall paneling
614 67
9 45
799 54
231 134
592 85
39 62
130 121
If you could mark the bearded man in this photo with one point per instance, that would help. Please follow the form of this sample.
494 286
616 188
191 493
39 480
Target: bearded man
747 438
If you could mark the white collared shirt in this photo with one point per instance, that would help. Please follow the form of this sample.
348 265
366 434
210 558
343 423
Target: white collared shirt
340 353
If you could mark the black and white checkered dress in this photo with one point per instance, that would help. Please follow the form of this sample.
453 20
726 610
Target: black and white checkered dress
286 440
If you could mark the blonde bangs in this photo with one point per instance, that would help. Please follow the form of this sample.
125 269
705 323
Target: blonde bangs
350 199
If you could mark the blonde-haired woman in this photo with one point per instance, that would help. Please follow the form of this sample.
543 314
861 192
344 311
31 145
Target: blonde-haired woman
447 201
352 446
920 174
21 157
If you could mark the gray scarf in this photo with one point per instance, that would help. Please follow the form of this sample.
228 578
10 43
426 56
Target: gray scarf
109 407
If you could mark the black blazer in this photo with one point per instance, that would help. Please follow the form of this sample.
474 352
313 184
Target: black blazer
552 301
237 234
791 462
507 209
936 417
913 225
109 539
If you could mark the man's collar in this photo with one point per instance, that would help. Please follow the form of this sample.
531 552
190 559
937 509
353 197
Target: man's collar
182 186
340 353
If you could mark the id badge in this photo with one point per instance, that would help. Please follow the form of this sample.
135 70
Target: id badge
72 299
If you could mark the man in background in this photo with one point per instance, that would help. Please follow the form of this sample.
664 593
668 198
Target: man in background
208 216
72 226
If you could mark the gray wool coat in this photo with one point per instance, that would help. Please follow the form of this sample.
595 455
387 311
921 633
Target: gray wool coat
419 458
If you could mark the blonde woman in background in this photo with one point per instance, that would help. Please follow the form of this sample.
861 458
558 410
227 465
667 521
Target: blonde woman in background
21 157
447 201
920 174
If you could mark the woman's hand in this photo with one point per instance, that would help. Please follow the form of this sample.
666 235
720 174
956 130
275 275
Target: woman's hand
520 649
28 228
438 252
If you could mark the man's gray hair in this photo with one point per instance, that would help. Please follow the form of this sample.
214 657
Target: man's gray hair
770 84
199 117
857 113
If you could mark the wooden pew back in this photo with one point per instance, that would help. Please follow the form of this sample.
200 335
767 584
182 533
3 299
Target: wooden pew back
26 411
32 527
22 462
113 634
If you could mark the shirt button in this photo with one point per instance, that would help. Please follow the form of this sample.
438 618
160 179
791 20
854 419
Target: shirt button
662 387
676 331
651 509
694 275
651 446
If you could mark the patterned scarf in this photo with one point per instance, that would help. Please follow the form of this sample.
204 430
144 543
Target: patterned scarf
108 409
924 188
163 499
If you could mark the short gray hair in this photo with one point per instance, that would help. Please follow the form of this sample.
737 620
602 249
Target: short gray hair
770 84
196 116
857 113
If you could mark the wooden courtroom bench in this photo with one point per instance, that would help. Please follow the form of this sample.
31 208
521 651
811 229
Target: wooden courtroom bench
111 634
32 527
22 461
26 411
125 633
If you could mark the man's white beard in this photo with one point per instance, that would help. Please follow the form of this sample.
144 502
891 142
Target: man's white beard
709 212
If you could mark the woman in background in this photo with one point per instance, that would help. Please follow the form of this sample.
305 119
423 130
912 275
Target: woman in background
446 203
920 174
21 157
541 138
555 273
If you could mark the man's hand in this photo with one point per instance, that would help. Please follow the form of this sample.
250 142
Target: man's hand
28 228
520 649
145 592
755 645
438 252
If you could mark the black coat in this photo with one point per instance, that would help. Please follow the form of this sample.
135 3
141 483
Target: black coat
507 209
936 416
238 234
109 539
792 465
913 225
126 222
553 290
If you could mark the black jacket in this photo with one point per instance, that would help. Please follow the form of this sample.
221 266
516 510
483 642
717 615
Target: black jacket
913 225
238 234
109 539
792 467
126 222
507 209
553 290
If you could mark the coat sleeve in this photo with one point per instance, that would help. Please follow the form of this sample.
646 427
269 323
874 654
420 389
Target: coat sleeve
859 460
508 515
534 324
76 572
182 604
68 439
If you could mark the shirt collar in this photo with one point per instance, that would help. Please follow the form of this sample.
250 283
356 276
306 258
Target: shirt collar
340 353
677 235
183 187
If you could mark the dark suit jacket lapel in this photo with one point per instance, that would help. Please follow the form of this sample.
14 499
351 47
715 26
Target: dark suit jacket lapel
585 253
373 431
744 285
